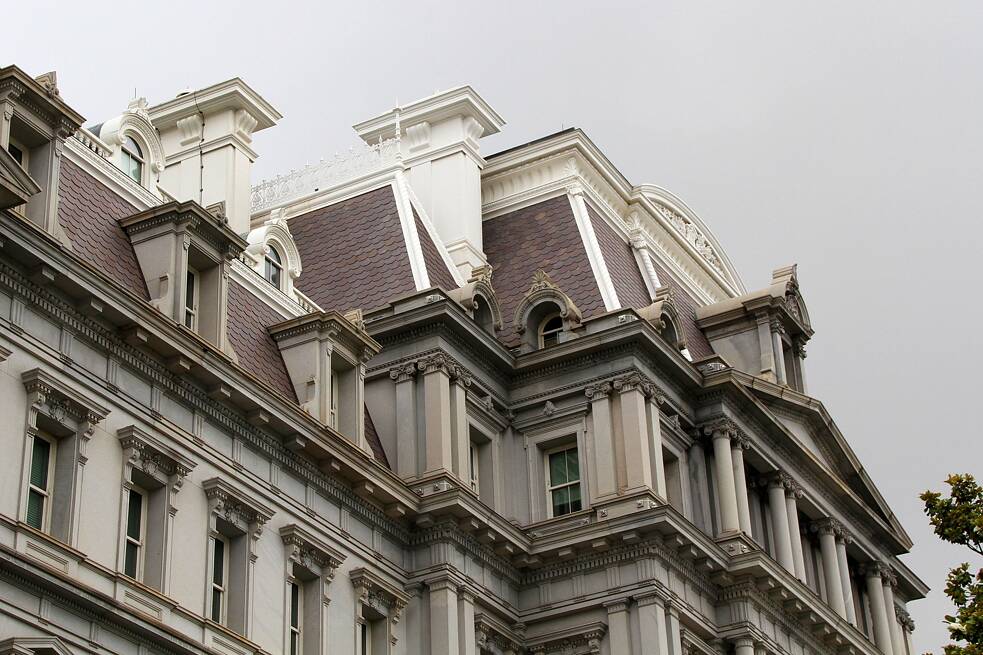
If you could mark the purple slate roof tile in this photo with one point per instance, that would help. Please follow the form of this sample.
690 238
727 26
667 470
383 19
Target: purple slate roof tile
257 351
541 236
88 211
436 268
621 263
353 252
372 436
696 341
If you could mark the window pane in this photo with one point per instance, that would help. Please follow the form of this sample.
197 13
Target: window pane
40 454
218 563
16 153
294 643
558 469
216 606
294 605
561 501
575 504
130 560
134 515
190 291
35 510
573 465
130 145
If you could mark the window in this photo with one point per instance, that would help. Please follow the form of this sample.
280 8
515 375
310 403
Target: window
18 153
473 466
563 481
274 267
295 618
549 331
220 577
363 637
191 300
132 159
39 486
135 534
335 395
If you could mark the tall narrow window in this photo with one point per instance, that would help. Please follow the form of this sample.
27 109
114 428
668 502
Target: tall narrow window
135 534
220 576
295 618
563 481
39 488
363 632
191 300
549 331
335 395
273 270
132 157
473 466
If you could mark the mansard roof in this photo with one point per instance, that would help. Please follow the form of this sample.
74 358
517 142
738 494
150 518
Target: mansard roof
255 349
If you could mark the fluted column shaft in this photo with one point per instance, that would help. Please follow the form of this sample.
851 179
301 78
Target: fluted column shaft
738 446
831 566
841 542
878 611
795 532
779 521
723 466
888 580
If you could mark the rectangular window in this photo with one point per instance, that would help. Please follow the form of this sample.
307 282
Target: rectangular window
220 576
363 630
563 481
295 618
135 534
335 395
473 466
191 300
39 487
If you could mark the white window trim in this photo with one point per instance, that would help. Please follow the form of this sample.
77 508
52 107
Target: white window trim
335 398
295 632
550 488
46 493
278 265
123 153
141 544
474 467
224 587
191 309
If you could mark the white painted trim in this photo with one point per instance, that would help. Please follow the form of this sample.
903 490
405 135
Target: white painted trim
593 248
410 237
432 231
109 175
263 290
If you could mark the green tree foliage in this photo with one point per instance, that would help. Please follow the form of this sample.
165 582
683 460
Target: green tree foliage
958 519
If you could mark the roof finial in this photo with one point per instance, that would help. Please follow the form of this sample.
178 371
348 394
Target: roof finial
399 153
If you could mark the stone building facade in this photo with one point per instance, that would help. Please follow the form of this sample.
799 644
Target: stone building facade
416 399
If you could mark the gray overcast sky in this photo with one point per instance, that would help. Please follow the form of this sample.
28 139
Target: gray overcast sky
844 136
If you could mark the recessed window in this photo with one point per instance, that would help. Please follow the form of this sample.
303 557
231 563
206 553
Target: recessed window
191 299
18 153
563 481
220 577
295 617
135 533
335 396
273 270
549 331
39 488
473 466
132 159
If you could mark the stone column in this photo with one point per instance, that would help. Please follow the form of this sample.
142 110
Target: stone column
635 433
460 432
889 582
766 346
404 376
444 638
777 330
654 399
698 483
800 353
779 520
600 407
842 539
652 627
738 445
744 646
878 610
792 494
675 634
826 529
619 637
436 404
721 432
468 639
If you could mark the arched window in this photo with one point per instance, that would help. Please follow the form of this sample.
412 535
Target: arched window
274 267
549 330
132 159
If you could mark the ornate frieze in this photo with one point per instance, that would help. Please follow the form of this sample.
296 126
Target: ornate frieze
381 596
143 452
225 502
309 553
575 641
61 404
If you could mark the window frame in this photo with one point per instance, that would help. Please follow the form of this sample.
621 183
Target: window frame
551 488
474 467
191 309
46 494
295 617
126 155
335 400
274 263
127 539
223 588
542 334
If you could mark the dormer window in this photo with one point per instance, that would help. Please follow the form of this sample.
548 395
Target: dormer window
273 271
132 159
549 331
191 299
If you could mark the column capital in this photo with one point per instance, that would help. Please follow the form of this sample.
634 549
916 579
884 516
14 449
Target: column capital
460 375
744 642
904 618
615 606
776 326
844 535
437 362
799 346
721 428
793 490
874 569
597 391
825 526
778 479
403 372
651 598
740 442
631 382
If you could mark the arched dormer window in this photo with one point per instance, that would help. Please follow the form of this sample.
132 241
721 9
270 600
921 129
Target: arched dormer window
545 316
132 159
550 329
479 300
669 331
273 267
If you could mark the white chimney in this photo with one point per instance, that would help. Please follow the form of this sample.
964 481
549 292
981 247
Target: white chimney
206 136
439 143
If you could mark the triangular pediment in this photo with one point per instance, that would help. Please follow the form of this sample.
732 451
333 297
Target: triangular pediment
16 185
